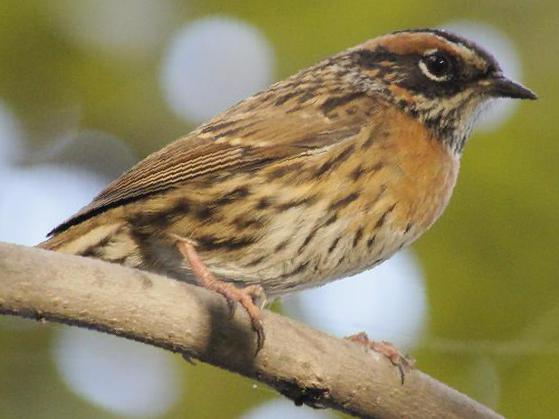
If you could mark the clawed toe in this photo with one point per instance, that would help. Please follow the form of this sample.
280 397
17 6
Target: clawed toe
246 297
404 363
231 305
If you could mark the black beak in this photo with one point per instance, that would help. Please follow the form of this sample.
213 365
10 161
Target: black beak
500 86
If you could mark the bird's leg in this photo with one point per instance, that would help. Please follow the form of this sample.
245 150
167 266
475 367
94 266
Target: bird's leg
404 363
246 297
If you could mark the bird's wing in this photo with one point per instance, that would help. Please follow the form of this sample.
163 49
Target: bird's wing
236 140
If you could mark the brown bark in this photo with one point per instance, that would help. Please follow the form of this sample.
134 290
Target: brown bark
306 365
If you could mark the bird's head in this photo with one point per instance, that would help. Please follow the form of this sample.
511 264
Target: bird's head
438 77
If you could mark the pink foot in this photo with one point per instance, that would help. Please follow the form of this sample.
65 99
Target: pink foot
404 363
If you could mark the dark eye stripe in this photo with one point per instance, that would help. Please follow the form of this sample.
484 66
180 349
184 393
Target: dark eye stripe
415 80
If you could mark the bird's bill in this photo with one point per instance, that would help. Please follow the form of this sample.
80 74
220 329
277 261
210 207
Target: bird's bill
500 86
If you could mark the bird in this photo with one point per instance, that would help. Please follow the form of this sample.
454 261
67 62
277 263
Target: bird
321 176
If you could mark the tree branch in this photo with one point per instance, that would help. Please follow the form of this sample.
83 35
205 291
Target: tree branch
305 365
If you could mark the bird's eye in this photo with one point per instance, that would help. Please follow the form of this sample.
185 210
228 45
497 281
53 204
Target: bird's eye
436 66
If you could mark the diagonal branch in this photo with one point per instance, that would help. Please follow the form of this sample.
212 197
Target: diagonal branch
305 365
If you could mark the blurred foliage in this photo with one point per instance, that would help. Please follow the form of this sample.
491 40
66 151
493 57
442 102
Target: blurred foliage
491 262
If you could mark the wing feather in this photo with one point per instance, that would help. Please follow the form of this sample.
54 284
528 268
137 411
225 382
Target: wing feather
236 140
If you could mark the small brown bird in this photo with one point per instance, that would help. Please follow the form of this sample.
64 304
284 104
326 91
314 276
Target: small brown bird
321 176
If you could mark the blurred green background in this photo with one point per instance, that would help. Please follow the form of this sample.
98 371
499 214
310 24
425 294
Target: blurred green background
490 264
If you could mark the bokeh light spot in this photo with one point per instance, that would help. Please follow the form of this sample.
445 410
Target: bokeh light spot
211 64
122 376
281 409
387 302
123 27
93 150
35 200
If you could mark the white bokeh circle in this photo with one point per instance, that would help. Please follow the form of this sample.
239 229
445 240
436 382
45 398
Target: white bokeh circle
97 151
213 63
123 27
125 377
499 45
36 199
281 409
387 302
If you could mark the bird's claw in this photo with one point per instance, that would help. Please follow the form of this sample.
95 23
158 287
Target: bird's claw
247 297
404 363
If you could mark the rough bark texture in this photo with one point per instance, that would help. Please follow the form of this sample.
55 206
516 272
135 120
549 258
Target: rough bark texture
307 366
